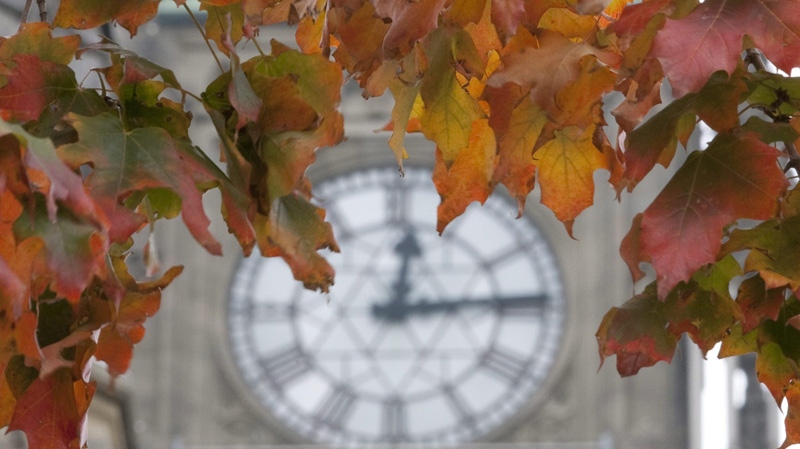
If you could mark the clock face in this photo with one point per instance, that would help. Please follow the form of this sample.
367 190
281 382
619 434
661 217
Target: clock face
423 339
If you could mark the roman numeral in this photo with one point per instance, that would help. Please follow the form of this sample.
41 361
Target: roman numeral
508 366
394 420
284 366
336 407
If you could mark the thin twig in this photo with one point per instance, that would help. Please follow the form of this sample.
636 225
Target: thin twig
753 57
205 38
25 12
42 4
258 47
794 158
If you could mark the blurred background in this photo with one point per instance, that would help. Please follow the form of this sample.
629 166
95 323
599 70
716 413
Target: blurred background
483 337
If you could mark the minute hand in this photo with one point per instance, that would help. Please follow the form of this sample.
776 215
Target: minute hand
424 307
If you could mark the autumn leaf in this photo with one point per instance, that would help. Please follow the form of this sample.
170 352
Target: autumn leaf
516 166
772 255
125 161
141 301
127 67
705 315
75 247
224 22
656 140
83 14
736 177
50 412
758 303
636 333
709 39
775 370
449 110
547 69
35 38
410 22
295 231
566 167
469 178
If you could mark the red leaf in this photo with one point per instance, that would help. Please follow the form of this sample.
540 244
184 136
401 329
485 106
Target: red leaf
637 333
28 89
736 177
410 22
710 39
52 411
758 303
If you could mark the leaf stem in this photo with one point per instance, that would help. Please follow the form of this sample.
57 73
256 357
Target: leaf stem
42 4
205 38
258 47
25 12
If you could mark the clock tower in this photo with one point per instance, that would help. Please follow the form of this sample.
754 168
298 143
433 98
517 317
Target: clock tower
482 337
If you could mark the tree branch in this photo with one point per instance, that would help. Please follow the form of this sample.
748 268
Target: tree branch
753 57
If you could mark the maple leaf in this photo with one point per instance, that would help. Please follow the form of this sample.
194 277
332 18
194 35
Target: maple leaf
735 177
772 255
295 230
128 67
224 22
736 343
758 303
775 370
35 38
547 69
516 167
469 178
410 22
75 248
656 140
709 39
566 167
51 412
636 333
449 109
141 301
706 315
83 14
125 161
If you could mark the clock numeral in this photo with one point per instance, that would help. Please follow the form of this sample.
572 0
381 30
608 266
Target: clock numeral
506 365
284 366
336 407
394 420
459 406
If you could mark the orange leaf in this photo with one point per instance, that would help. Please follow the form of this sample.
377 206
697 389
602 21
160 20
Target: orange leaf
469 178
566 172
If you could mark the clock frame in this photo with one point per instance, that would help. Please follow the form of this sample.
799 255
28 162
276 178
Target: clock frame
279 378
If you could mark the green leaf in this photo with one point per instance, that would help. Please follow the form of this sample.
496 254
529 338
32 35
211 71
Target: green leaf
126 161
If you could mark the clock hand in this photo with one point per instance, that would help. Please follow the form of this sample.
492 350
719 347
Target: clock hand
423 307
407 248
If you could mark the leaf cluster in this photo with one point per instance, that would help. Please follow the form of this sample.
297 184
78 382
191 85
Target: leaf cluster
511 92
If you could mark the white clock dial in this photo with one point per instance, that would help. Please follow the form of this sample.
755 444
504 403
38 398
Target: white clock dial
423 339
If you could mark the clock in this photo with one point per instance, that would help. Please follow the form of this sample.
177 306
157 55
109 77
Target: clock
424 339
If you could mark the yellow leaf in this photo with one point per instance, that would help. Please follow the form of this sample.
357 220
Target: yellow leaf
566 170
